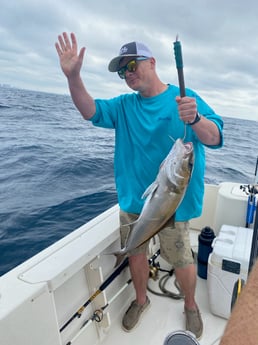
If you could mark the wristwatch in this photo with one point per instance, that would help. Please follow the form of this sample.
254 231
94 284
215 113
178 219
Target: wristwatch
197 119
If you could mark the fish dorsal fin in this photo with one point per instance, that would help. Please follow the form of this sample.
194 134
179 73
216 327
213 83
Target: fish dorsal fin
150 190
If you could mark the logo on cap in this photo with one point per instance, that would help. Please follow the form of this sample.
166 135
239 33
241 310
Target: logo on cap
123 50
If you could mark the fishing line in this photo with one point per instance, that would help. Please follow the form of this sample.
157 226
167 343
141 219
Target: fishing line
183 139
185 130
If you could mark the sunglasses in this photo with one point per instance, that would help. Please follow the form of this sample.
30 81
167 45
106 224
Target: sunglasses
131 66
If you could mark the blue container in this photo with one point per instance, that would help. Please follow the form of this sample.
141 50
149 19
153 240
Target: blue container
205 240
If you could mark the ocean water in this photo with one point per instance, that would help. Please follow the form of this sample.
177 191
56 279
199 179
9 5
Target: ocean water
56 169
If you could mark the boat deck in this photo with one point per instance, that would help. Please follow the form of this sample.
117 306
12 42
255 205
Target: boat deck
40 296
166 315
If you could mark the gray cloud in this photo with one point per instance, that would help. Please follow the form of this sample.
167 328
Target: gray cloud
219 41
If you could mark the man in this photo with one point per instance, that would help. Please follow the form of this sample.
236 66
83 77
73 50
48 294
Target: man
144 123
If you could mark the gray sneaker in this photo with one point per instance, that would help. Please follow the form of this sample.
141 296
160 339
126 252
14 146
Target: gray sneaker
194 322
133 314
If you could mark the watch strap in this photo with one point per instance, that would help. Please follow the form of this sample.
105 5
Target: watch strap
197 119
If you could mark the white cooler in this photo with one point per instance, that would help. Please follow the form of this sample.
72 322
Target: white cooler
228 262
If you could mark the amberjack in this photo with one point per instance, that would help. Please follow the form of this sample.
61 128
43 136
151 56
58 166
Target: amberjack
162 197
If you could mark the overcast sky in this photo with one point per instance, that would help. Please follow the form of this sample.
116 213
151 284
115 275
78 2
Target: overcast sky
219 42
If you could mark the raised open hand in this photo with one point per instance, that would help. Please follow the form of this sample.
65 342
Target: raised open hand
70 61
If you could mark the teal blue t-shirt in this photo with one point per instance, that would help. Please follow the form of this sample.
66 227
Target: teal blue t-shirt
143 131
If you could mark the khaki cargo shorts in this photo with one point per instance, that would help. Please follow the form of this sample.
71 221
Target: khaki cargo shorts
174 239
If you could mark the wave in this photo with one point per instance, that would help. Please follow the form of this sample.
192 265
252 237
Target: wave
40 228
57 169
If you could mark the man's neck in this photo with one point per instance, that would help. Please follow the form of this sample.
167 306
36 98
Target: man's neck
154 90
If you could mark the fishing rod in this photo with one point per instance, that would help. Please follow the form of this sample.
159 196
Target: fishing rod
154 270
254 248
102 287
180 71
251 190
252 199
179 66
255 173
250 207
98 314
253 253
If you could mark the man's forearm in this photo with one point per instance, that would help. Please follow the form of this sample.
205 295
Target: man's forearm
207 132
81 98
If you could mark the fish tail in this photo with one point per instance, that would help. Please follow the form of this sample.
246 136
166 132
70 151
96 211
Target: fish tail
119 258
120 255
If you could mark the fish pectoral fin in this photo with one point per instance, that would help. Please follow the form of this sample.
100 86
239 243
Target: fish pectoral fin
150 190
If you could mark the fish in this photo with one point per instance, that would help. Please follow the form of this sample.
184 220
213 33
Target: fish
162 197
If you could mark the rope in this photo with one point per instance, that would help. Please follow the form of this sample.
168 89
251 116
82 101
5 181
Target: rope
162 286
